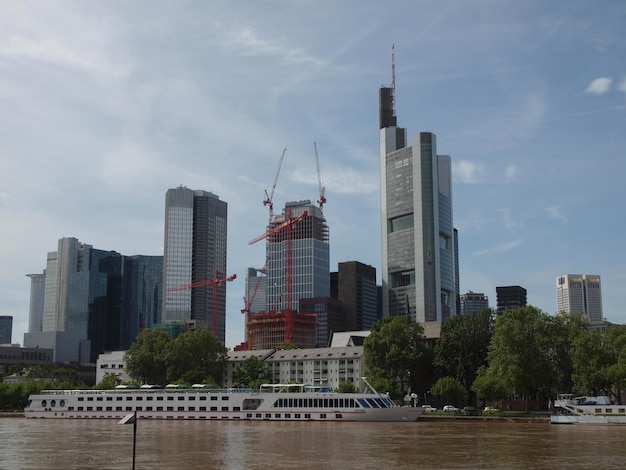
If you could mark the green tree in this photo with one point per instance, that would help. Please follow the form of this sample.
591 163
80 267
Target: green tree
196 356
395 351
464 345
145 359
286 345
616 346
346 387
521 352
109 381
251 373
591 362
488 387
449 388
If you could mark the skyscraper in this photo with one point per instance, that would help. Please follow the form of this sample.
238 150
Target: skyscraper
303 251
195 250
472 302
6 329
580 293
419 269
357 291
510 297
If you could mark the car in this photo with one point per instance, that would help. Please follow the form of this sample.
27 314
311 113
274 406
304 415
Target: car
490 409
450 408
471 411
428 408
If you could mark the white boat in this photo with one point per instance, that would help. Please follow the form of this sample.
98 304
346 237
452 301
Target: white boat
272 402
587 410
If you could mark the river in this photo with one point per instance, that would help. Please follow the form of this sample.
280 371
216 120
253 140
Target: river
103 444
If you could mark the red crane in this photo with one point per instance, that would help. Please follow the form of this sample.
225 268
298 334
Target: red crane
322 199
268 201
215 282
288 227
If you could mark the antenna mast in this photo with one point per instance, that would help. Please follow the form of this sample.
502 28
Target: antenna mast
393 80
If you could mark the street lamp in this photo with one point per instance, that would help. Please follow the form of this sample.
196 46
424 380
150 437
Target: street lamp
131 419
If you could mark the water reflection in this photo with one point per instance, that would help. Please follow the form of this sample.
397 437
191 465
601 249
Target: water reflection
101 444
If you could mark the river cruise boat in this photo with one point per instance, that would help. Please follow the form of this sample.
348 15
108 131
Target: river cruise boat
271 402
587 410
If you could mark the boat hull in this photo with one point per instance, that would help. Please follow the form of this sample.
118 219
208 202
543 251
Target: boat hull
218 405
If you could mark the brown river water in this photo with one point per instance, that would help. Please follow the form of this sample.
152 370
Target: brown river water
103 444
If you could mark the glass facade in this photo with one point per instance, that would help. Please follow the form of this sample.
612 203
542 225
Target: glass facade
420 272
195 250
306 246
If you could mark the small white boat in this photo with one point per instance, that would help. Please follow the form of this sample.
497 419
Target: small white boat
272 402
587 410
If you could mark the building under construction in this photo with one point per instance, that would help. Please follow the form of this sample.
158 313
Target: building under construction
298 267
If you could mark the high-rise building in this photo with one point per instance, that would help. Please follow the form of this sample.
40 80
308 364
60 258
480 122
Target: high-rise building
419 269
472 302
6 329
195 250
357 292
510 297
580 293
303 250
88 301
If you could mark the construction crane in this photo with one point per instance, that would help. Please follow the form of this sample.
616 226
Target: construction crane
322 199
215 282
248 303
269 198
287 226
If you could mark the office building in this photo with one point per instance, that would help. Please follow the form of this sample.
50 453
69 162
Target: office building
472 302
419 247
580 293
194 251
89 300
298 257
6 329
510 297
357 291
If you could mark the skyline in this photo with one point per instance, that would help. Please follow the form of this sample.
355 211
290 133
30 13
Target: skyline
104 107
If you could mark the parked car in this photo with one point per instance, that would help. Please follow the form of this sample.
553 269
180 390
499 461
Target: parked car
428 408
490 409
471 411
450 408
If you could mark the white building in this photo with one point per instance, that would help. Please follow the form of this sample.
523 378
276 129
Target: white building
112 363
580 293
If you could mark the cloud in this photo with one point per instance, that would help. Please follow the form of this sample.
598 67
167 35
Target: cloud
621 86
599 86
502 247
510 172
467 172
554 212
508 221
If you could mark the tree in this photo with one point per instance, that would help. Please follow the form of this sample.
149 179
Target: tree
449 388
464 345
394 350
196 356
145 359
109 381
252 373
488 387
346 387
521 352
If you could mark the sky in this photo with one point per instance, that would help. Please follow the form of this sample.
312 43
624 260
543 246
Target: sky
104 106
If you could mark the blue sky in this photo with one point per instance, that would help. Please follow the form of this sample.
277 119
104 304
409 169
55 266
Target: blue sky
106 105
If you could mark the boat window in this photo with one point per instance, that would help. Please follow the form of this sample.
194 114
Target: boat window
323 416
373 402
338 415
53 403
363 403
61 403
44 403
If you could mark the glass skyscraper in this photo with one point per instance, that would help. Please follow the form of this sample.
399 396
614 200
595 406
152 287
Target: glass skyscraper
195 250
419 268
309 254
580 293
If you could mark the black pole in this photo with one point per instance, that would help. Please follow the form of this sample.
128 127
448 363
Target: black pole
134 437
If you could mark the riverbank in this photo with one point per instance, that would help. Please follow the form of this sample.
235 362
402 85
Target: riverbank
483 418
11 414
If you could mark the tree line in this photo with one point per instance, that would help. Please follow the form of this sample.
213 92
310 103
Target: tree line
523 353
